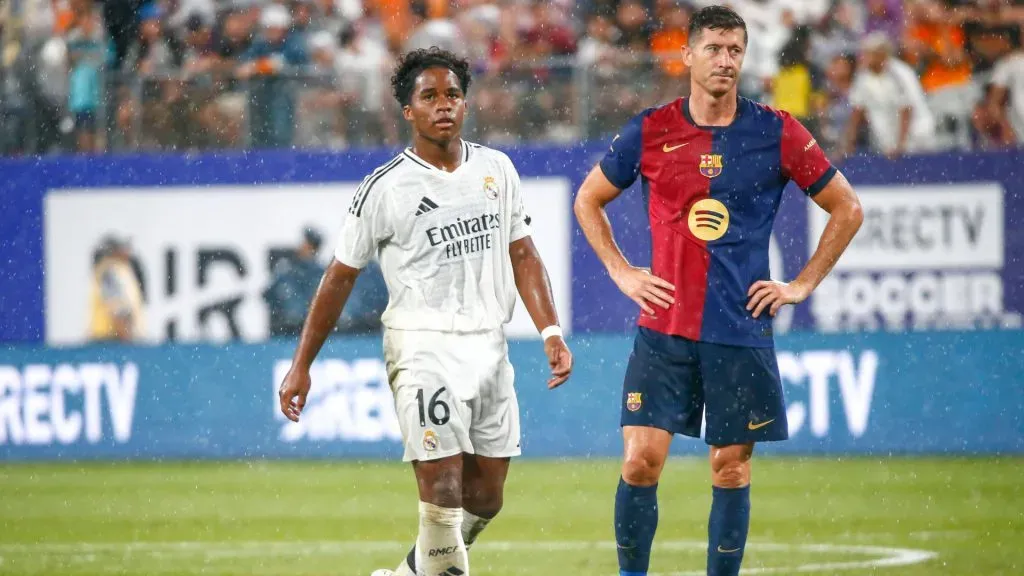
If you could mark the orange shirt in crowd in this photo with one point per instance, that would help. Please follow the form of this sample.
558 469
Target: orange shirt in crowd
395 17
941 38
63 19
667 46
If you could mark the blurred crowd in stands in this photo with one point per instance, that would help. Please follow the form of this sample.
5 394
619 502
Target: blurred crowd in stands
889 76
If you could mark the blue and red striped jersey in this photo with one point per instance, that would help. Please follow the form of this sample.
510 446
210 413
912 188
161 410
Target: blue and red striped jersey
712 194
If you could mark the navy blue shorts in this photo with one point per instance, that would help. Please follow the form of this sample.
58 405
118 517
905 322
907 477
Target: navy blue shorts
671 380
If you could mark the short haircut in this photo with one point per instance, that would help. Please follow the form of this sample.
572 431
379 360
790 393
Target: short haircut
715 18
411 65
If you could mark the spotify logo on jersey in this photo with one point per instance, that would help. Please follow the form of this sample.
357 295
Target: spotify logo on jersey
709 219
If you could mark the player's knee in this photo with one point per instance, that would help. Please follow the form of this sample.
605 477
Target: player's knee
481 500
443 488
447 488
732 475
642 467
730 466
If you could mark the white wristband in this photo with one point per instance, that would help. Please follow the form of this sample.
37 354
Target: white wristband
554 330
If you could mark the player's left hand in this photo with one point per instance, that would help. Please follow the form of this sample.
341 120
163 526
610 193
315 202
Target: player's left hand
774 295
560 360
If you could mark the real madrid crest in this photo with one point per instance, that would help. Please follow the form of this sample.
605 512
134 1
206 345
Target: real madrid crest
430 440
710 165
490 187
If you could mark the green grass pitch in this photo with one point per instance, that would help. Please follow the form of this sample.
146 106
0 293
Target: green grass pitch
899 516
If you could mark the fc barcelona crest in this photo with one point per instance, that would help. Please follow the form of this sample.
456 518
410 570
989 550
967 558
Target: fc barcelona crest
711 165
633 401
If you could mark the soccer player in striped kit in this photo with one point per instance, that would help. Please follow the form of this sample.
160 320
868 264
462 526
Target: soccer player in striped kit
712 168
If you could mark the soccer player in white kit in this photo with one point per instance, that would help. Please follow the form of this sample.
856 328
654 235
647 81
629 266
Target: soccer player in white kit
446 220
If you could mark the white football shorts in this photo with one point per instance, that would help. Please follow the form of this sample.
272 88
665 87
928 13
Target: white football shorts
453 393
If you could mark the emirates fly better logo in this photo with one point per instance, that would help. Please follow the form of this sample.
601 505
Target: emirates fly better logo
462 238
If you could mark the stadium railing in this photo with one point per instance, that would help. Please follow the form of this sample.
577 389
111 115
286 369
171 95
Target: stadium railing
556 100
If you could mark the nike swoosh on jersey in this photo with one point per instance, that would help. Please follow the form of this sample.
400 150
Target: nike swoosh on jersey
667 148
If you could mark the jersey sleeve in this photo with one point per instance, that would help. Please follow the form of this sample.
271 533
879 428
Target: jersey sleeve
621 164
803 160
365 226
520 220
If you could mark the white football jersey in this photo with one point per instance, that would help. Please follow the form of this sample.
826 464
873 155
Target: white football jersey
441 239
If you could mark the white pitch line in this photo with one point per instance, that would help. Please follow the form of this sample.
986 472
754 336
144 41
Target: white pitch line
889 557
86 551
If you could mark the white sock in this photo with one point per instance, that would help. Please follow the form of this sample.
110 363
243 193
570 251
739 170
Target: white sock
472 526
440 550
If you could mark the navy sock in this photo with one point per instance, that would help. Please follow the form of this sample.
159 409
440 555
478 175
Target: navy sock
727 530
636 519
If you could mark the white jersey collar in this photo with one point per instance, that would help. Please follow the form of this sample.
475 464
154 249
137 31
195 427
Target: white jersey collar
427 165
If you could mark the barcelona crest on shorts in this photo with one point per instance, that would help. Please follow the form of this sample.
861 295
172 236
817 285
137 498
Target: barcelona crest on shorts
633 401
711 165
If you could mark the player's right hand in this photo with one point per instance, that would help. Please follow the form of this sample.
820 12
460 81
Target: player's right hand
293 392
559 359
644 288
